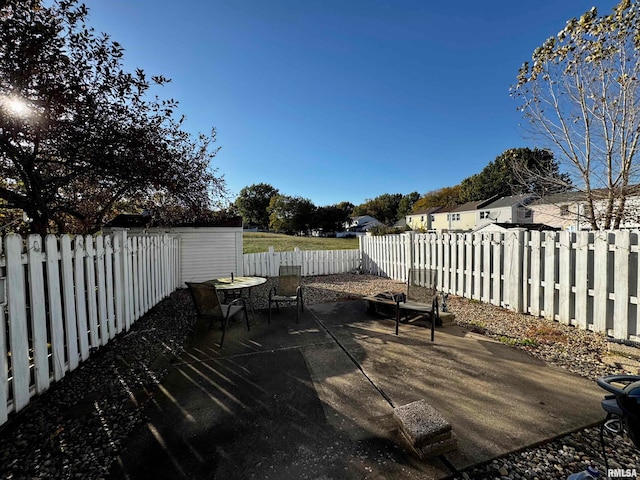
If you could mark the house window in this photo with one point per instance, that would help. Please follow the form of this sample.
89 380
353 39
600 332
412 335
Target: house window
484 214
564 211
433 218
422 218
453 216
528 213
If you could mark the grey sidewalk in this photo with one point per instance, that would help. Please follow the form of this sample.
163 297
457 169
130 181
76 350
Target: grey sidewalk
287 401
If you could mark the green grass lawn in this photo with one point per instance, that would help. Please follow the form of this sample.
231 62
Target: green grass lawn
256 242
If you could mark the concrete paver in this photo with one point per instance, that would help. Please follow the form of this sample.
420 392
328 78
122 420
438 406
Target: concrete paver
287 400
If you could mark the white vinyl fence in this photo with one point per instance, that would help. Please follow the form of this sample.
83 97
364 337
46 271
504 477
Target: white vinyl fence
314 262
585 279
66 296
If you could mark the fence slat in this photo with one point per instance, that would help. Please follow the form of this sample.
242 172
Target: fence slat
101 290
37 312
68 300
18 335
4 367
81 303
90 289
56 324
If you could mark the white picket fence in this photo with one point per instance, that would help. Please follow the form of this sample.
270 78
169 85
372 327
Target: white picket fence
314 262
586 279
65 297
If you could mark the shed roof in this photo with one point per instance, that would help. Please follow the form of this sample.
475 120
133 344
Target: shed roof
127 220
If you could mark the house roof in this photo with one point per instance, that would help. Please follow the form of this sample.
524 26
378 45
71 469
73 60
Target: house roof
426 211
446 209
511 200
559 198
470 206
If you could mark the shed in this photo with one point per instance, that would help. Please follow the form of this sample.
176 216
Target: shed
207 250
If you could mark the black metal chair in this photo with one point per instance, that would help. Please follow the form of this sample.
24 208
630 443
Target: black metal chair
209 307
289 289
422 297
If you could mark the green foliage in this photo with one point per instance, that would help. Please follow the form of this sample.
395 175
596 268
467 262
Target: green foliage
518 342
516 171
291 214
383 208
444 197
332 217
406 204
252 204
77 132
381 230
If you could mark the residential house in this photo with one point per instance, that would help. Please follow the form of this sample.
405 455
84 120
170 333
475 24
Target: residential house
465 216
568 211
511 209
560 210
445 219
421 219
359 225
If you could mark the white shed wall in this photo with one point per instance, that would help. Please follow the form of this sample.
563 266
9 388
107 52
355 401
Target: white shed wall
209 252
205 252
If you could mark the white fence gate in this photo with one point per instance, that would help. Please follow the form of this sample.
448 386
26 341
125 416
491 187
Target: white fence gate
586 279
314 262
62 298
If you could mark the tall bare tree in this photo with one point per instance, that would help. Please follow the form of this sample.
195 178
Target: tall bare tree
581 93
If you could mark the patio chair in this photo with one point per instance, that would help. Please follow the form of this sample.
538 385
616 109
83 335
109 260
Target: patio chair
422 297
208 306
289 289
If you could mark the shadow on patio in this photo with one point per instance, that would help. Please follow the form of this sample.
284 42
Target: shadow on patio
286 400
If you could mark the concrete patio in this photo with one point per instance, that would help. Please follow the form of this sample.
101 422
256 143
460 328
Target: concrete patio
314 400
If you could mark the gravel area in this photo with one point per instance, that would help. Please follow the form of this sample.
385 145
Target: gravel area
77 427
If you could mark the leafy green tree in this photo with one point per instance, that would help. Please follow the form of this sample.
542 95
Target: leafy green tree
443 197
516 171
581 94
78 134
406 204
253 203
383 208
291 214
333 217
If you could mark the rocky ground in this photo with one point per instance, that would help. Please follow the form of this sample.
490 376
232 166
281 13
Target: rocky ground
77 428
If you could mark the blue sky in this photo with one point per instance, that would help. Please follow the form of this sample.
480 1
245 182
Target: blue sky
342 100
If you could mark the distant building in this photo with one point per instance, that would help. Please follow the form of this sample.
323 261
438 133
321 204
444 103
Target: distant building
421 219
359 225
